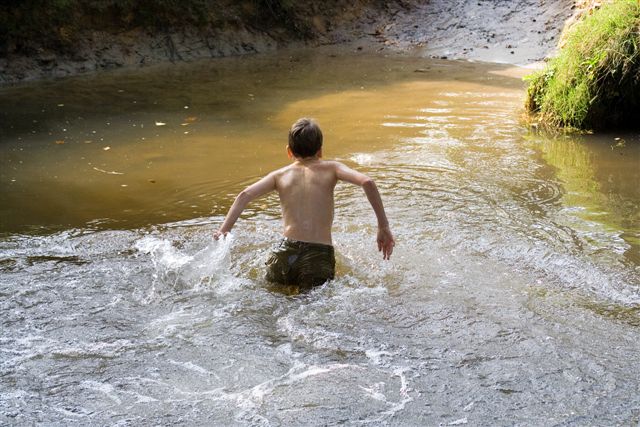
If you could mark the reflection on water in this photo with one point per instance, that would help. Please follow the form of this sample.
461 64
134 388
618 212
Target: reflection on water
512 296
601 181
129 149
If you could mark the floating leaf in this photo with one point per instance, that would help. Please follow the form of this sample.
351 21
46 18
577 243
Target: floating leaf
59 142
191 119
108 172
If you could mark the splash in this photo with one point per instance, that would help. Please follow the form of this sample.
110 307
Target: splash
179 269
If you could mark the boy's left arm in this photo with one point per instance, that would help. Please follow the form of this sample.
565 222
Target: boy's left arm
385 239
260 188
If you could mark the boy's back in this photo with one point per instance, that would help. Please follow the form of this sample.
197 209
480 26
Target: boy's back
306 195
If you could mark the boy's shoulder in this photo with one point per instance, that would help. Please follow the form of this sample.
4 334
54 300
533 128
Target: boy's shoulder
330 164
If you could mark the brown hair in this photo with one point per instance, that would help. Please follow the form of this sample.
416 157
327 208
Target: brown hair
305 138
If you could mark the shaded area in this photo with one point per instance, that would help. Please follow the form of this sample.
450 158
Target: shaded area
28 27
44 39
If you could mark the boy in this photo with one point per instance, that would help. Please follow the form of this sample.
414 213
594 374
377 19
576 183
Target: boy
305 256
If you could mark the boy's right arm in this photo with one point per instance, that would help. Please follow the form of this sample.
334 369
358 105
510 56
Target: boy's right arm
384 239
260 188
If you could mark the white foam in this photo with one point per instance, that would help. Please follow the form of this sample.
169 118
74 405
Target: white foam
376 356
105 388
374 392
100 349
317 370
190 366
395 407
363 159
75 413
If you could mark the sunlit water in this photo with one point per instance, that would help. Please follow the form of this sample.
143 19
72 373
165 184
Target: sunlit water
512 297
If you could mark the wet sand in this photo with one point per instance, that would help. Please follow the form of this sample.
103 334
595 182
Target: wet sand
516 32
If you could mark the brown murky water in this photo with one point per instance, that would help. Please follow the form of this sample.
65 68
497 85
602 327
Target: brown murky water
513 296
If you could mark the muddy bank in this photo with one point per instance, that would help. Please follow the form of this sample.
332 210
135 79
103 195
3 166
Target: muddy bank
47 41
519 32
91 42
103 51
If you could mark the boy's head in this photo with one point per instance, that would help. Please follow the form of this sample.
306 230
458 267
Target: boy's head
305 138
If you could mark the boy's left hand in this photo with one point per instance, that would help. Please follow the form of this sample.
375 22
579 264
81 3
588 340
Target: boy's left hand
386 242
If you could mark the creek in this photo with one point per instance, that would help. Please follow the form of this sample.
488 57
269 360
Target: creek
512 297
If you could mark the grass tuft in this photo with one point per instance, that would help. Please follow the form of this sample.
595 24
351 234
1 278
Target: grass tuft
594 82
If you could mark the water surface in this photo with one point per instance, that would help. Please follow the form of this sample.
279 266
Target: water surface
512 297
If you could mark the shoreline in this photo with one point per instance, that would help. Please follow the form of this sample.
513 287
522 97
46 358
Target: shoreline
523 33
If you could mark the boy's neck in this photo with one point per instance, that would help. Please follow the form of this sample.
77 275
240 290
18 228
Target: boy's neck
304 160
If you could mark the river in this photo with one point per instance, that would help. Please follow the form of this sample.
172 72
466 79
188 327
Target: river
512 298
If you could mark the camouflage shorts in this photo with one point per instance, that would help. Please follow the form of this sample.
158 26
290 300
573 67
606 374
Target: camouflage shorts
301 263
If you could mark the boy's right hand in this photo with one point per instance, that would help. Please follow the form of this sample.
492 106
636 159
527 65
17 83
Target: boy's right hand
385 242
219 233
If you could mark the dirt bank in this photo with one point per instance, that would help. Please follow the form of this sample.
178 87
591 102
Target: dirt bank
518 31
102 50
92 35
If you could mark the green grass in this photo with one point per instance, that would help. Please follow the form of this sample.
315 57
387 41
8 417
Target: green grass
594 82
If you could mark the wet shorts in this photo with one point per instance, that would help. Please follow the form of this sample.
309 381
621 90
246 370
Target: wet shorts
301 263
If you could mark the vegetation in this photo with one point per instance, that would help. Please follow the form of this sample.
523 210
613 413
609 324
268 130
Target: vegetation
594 83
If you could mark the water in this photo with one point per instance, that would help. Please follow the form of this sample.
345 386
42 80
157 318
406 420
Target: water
512 297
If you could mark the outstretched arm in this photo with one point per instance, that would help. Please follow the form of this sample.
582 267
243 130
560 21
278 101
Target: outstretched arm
385 238
260 188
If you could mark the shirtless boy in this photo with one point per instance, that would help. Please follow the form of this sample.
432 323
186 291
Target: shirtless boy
305 257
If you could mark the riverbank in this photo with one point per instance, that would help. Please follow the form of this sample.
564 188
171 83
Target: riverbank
126 38
522 32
